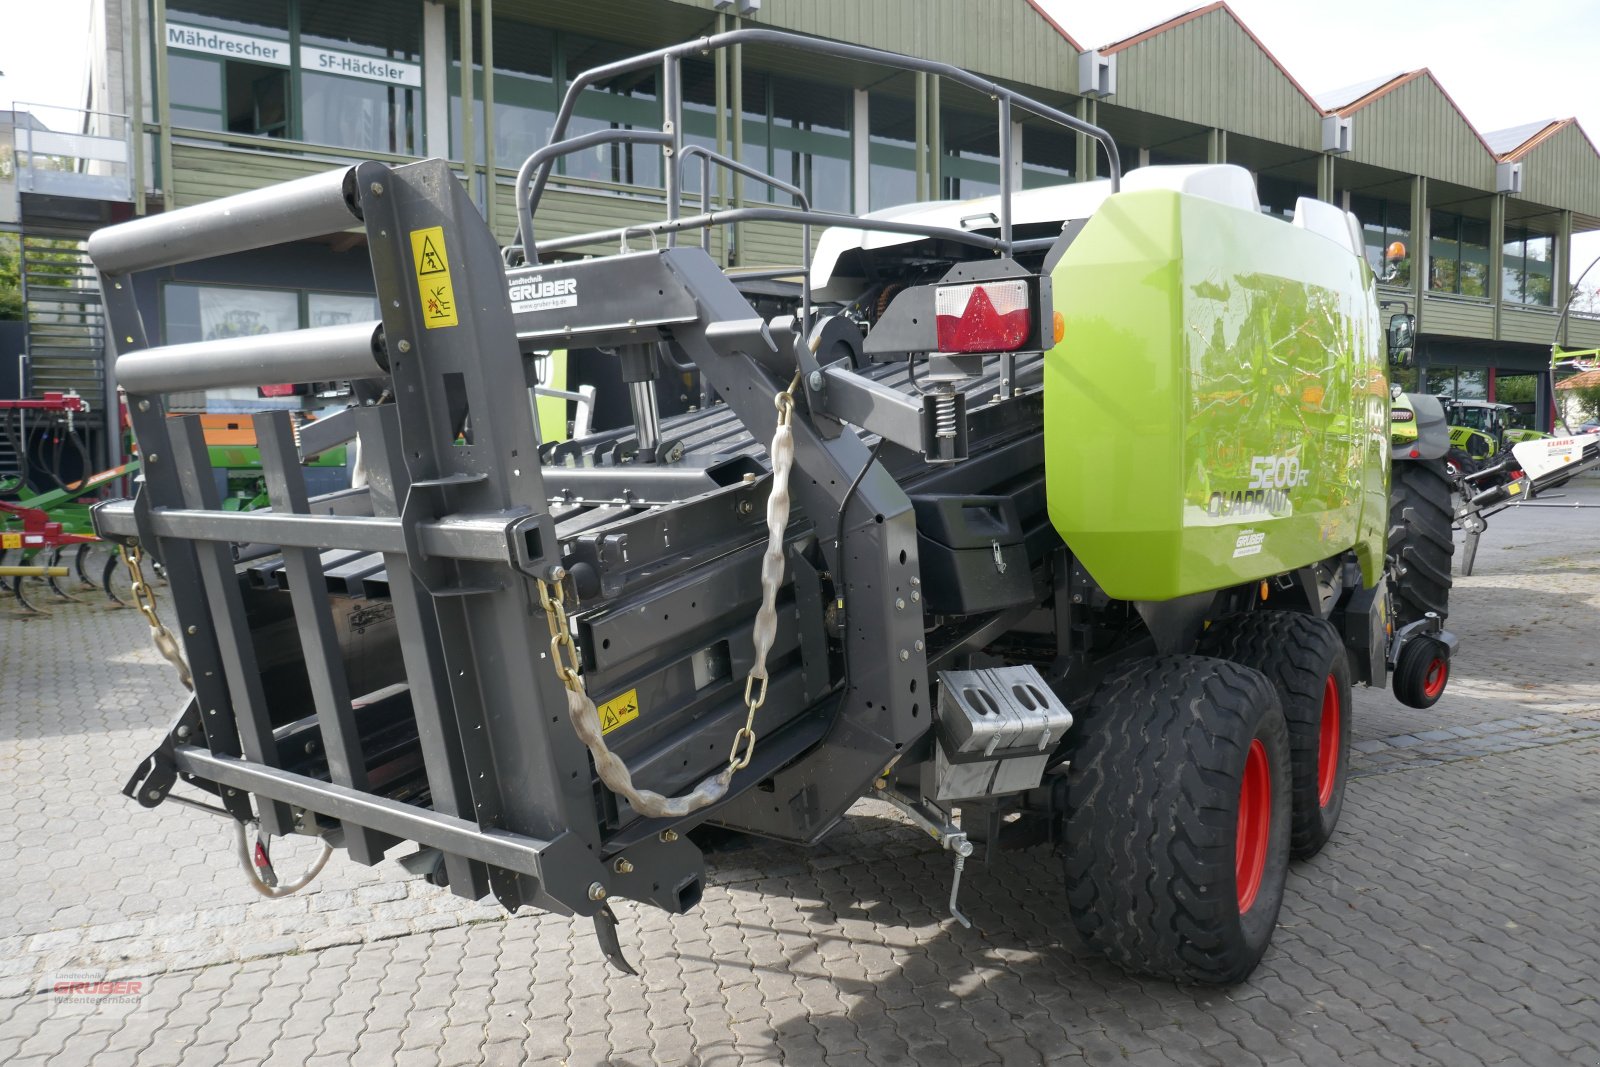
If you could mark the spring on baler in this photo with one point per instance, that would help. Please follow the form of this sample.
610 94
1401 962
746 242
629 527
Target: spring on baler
944 415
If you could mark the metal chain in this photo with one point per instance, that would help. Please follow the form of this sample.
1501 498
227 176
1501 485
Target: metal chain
145 598
581 708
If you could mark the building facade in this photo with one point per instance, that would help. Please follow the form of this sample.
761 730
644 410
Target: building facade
230 95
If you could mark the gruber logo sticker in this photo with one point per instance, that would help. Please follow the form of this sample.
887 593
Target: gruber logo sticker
619 711
432 263
1248 543
539 293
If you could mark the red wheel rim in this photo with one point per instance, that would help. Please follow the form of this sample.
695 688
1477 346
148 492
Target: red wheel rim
1438 674
1328 747
1255 825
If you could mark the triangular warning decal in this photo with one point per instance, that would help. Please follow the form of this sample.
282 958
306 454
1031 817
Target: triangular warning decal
430 261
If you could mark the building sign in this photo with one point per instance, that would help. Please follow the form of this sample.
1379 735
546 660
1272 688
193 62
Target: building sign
227 45
355 65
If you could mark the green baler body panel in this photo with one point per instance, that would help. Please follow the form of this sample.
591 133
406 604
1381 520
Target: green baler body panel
1218 409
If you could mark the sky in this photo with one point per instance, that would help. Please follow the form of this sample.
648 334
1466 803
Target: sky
44 52
1504 64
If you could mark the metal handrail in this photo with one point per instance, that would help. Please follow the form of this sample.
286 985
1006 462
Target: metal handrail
709 156
534 174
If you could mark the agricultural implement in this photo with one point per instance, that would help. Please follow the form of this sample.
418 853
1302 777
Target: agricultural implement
49 535
1060 518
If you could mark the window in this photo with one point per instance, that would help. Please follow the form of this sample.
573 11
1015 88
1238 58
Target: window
361 75
228 66
1278 195
628 101
353 79
969 163
1049 154
525 98
339 309
213 312
1463 383
810 139
1384 222
1527 272
797 131
1458 255
891 151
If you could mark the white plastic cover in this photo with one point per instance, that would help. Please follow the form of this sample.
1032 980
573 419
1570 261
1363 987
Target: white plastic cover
1325 220
1057 204
1549 454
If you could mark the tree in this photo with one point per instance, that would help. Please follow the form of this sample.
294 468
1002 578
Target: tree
57 257
1588 401
1514 389
10 277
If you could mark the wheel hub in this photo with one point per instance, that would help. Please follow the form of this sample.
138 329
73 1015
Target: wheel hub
1328 744
1438 674
1255 825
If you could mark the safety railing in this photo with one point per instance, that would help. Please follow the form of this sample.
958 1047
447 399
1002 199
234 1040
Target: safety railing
72 152
535 173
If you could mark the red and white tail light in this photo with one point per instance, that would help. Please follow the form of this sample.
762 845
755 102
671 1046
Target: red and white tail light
994 316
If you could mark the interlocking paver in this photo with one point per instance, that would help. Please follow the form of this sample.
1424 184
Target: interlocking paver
1453 920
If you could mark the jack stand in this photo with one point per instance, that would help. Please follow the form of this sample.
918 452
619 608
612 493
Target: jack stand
952 837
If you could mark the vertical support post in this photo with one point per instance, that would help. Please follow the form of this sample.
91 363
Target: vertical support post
319 640
163 106
1497 251
1563 271
935 139
1088 160
486 22
1018 147
161 485
1325 178
435 81
236 645
671 124
1216 145
861 152
1004 134
469 148
1422 236
922 135
1545 409
136 108
417 623
720 57
736 75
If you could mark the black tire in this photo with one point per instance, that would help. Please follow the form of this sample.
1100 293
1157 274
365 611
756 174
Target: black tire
1457 464
1151 833
1422 673
1305 661
1421 542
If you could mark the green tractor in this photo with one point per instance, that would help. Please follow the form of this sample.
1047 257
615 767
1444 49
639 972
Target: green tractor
1480 430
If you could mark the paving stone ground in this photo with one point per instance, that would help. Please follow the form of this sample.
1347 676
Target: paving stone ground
1454 920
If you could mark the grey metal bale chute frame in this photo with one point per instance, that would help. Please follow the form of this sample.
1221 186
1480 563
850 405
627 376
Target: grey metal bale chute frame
406 692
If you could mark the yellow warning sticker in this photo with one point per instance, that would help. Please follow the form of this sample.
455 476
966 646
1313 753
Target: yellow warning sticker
14 540
432 264
619 711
